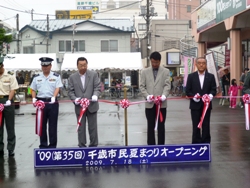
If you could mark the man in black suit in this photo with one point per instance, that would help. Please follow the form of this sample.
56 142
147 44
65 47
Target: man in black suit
198 84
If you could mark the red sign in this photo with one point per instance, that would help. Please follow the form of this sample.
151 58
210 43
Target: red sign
227 57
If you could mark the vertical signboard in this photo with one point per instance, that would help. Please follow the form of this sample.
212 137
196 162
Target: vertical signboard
188 67
212 69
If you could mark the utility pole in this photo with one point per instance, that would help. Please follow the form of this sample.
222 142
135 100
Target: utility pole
147 12
32 10
47 43
17 28
73 41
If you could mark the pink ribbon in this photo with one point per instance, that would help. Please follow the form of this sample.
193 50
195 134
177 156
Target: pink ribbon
39 116
158 102
206 101
246 100
84 103
1 113
124 103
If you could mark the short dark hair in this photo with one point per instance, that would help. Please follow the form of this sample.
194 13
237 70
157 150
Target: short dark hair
232 81
155 56
82 59
246 69
200 58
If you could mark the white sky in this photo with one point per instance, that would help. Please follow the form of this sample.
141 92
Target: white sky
39 6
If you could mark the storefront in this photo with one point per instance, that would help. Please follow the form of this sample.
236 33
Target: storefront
222 21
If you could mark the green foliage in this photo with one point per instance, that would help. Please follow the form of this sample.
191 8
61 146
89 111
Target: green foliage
4 39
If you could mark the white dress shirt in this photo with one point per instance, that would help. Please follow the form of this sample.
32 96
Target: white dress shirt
201 78
82 76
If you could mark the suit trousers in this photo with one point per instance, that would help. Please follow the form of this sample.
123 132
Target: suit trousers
151 117
201 135
92 128
50 115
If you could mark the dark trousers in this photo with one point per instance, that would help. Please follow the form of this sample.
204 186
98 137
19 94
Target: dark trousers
201 135
151 116
8 116
50 115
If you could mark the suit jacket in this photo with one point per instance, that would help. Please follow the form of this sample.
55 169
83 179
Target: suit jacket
92 87
193 87
160 86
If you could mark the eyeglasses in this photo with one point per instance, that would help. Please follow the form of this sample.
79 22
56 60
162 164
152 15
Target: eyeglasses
201 63
85 65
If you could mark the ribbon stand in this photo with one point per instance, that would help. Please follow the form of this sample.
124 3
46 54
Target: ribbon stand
125 117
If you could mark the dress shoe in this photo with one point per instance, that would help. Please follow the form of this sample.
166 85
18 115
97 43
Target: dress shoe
11 153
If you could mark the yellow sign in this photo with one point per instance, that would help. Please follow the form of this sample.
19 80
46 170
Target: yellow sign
74 14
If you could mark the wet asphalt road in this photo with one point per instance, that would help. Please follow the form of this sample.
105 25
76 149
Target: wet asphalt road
230 146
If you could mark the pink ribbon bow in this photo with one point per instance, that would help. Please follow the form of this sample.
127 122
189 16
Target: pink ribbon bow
246 100
1 113
84 103
206 101
39 116
124 103
158 102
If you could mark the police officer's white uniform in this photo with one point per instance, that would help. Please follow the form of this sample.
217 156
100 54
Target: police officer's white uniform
47 88
46 85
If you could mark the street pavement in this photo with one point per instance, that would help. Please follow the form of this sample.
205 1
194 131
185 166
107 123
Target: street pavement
230 147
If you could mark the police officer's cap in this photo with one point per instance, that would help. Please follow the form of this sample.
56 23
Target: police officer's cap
46 61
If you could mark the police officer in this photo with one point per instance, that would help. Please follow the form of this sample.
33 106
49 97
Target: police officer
45 87
8 85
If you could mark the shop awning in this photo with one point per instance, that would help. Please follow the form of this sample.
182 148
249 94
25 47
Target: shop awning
102 61
27 62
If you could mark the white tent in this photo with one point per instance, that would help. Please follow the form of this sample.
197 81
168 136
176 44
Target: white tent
27 62
100 61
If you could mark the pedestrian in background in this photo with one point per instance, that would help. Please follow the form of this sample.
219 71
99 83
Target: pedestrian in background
20 79
198 84
155 81
233 92
226 84
242 80
85 84
47 84
8 85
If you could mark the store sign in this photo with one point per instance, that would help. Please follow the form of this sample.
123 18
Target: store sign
88 5
131 155
74 14
228 8
206 15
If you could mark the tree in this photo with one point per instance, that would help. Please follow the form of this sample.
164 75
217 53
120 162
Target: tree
4 41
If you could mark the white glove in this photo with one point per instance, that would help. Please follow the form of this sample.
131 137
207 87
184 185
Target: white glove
94 98
52 100
34 101
211 97
163 98
150 98
196 99
77 101
8 103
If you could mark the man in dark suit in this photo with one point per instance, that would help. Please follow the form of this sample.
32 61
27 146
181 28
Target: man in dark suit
85 84
198 84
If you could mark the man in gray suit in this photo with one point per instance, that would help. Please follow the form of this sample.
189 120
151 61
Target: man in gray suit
155 81
85 84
